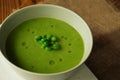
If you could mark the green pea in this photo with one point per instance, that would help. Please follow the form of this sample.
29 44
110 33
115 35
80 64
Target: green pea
42 39
55 46
48 36
43 45
53 38
37 38
46 43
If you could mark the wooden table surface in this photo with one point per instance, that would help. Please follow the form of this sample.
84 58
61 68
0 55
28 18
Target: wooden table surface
102 16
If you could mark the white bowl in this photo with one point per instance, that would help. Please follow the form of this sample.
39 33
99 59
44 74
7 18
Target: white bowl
51 11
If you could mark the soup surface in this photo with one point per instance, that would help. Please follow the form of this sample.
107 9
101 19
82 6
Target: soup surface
24 51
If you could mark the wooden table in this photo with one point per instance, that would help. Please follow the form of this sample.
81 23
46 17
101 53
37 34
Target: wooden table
102 16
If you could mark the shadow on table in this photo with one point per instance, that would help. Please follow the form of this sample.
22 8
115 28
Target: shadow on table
105 57
115 4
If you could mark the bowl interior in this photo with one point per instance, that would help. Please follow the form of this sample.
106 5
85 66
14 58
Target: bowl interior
50 11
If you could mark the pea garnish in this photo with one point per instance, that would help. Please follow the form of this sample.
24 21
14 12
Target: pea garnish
48 42
37 38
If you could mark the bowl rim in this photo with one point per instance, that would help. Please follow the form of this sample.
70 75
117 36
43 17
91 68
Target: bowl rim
56 73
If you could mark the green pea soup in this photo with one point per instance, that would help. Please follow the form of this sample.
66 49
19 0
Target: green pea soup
23 51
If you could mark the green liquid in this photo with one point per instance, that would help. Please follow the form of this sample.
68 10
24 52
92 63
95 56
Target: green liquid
25 52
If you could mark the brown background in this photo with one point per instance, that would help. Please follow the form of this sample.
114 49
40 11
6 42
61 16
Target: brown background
102 16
